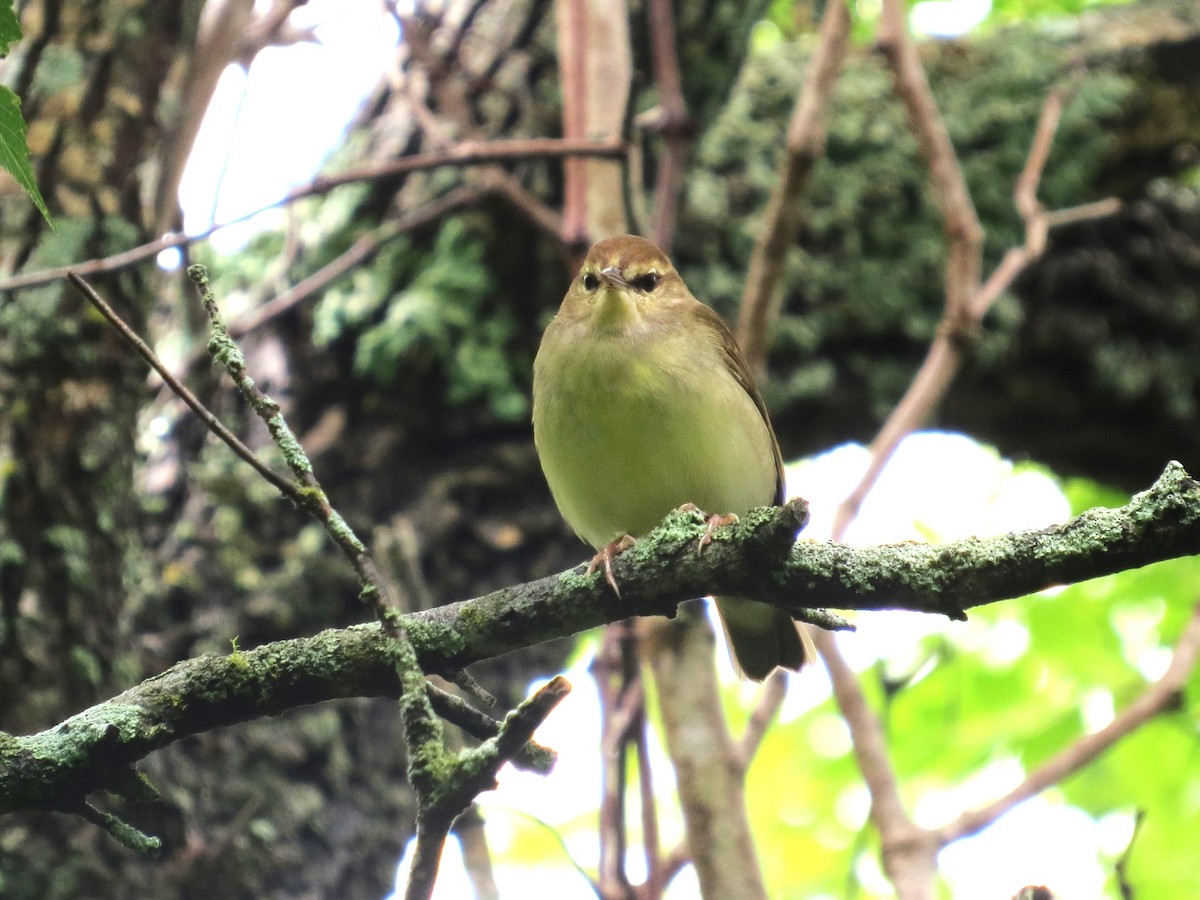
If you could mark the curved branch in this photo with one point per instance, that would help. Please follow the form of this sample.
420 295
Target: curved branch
757 557
1163 695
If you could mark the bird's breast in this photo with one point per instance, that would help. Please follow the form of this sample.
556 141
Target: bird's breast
629 429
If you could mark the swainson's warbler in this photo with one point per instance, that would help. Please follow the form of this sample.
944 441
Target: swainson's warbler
642 403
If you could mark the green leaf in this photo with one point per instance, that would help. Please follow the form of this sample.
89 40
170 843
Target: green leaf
10 28
14 152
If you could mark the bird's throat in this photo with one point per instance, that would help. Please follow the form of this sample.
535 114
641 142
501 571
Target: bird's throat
614 309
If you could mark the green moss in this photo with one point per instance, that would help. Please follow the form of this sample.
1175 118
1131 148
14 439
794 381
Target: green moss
427 313
576 580
434 637
293 453
226 353
76 738
342 530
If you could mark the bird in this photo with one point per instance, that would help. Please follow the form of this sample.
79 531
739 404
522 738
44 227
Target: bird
644 403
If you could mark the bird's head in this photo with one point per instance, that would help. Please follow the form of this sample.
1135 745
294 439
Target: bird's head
623 281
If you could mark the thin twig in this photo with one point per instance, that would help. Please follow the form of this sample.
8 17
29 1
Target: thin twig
361 251
181 390
1162 696
766 708
805 143
462 155
672 122
964 234
118 828
1084 212
469 153
309 492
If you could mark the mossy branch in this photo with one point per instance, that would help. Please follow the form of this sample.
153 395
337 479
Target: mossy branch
757 557
440 779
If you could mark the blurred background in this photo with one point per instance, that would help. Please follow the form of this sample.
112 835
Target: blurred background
396 315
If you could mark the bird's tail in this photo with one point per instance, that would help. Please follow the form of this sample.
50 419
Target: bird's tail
762 637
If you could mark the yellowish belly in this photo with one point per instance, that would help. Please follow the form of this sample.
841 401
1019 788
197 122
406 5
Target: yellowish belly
624 440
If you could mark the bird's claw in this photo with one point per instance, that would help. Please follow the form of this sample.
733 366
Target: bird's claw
715 521
605 557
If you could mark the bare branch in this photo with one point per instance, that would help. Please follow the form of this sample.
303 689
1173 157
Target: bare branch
961 319
909 852
805 144
1162 696
766 708
964 234
360 252
287 488
672 122
471 153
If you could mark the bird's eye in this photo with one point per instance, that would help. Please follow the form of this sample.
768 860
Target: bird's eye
590 281
647 282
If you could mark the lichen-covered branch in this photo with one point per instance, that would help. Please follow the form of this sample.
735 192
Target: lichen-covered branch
757 557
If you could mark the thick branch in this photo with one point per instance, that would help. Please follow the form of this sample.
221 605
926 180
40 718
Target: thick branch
709 775
754 557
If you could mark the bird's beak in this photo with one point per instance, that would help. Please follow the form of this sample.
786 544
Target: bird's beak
616 304
612 275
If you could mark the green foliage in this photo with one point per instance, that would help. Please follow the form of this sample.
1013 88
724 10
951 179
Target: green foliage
14 152
975 710
10 28
438 320
871 251
1005 11
33 322
714 38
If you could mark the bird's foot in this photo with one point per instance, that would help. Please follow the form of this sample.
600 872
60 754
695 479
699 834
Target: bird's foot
715 521
605 557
